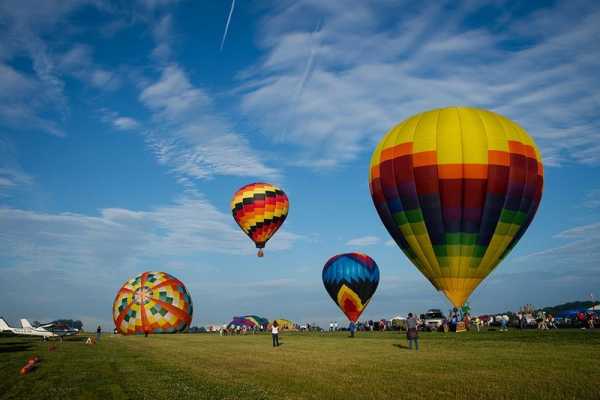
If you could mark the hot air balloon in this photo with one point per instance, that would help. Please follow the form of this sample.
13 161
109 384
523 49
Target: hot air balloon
351 279
456 189
152 302
259 209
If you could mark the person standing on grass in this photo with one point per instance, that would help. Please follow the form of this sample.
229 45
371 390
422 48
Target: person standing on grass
411 331
98 333
352 328
275 334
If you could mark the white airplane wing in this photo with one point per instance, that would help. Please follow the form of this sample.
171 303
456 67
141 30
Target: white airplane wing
25 324
4 326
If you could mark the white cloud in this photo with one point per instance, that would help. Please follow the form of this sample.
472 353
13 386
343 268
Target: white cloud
12 176
162 32
153 4
173 97
194 140
78 62
125 123
31 97
592 199
363 241
118 238
366 79
579 246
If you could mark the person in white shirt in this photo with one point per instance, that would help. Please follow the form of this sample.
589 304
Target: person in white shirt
275 333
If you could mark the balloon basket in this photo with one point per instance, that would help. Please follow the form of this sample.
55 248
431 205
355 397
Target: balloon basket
260 253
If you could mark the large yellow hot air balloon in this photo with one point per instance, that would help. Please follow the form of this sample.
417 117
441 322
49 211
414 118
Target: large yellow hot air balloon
456 188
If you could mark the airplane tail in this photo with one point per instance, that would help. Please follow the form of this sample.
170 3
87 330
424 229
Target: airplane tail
3 325
25 324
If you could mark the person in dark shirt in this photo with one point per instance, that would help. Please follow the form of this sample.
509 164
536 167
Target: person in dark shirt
411 331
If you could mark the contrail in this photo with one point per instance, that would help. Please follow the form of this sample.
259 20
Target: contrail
308 69
227 24
310 64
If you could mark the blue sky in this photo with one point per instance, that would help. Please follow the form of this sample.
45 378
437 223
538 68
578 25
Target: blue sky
125 129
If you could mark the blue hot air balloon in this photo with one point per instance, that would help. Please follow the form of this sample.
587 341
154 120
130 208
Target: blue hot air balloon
351 280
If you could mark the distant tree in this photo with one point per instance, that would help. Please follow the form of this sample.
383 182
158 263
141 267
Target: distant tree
574 305
77 324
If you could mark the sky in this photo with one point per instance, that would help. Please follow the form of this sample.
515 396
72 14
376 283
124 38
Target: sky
126 127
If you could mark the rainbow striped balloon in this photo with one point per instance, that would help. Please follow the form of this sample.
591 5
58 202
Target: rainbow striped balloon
152 302
259 209
456 189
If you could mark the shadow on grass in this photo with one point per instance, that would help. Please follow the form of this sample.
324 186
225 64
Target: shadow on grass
75 338
15 348
401 346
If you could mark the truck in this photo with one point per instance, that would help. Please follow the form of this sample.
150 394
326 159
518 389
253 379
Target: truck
433 320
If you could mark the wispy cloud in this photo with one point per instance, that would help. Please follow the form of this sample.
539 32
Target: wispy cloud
35 97
163 32
373 73
363 241
227 24
12 176
24 24
194 140
579 245
89 256
592 199
125 123
154 4
78 62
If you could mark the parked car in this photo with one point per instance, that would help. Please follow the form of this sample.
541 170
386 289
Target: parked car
433 320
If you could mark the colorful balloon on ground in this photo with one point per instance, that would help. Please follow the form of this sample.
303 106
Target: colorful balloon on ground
249 321
153 302
259 209
351 280
456 189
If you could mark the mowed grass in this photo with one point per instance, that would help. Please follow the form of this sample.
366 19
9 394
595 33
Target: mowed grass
488 365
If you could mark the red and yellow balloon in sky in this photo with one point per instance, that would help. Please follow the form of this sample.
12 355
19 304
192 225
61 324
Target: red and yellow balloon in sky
259 209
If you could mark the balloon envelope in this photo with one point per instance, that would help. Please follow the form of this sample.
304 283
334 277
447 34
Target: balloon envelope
259 209
153 302
351 280
456 189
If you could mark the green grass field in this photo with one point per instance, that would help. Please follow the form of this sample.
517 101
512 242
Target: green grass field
487 365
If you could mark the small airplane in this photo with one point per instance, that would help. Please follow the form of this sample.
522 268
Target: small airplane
44 331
